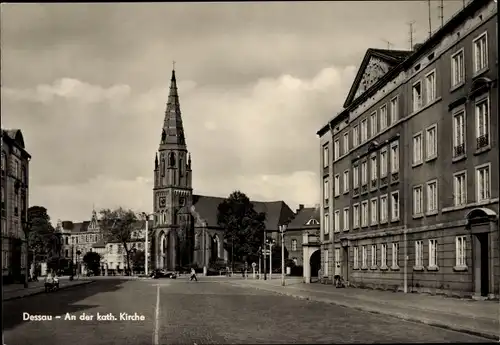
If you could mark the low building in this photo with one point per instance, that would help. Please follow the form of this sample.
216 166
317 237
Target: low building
410 166
15 199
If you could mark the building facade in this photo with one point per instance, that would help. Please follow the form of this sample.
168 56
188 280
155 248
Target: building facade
185 228
15 199
411 183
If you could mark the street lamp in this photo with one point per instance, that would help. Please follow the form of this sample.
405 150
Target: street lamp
146 241
78 252
282 229
26 225
270 243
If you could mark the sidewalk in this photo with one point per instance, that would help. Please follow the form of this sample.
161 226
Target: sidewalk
15 291
463 315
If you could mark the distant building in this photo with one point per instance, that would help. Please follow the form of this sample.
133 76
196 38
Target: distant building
15 199
410 166
186 231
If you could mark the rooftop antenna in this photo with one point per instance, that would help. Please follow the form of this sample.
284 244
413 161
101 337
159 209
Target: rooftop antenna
389 44
430 20
412 31
441 11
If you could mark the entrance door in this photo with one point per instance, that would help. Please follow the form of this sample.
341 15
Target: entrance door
345 263
338 271
483 244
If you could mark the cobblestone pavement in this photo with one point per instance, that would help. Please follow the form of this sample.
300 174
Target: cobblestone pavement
204 312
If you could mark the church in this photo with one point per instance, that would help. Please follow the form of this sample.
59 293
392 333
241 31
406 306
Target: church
185 229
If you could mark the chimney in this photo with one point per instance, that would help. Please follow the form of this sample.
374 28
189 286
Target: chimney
301 207
417 46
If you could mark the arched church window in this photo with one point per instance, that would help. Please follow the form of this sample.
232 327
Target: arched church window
163 136
172 159
217 244
181 167
196 240
162 167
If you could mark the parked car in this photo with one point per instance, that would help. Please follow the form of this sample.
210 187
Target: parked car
159 273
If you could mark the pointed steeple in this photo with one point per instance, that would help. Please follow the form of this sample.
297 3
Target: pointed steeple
172 136
94 222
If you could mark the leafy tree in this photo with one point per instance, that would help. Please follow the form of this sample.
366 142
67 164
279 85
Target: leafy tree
118 226
92 261
138 258
42 238
243 226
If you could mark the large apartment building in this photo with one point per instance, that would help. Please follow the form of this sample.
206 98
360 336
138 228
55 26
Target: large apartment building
14 192
410 166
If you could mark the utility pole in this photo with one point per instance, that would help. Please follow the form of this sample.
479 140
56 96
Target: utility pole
441 12
430 20
412 31
282 231
264 255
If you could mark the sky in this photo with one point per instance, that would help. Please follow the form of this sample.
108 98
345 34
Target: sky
87 85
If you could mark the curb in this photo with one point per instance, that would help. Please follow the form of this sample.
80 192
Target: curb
43 291
401 316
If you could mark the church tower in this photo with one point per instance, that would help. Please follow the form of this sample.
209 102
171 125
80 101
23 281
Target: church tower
172 191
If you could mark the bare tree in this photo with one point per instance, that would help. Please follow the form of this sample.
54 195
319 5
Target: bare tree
117 226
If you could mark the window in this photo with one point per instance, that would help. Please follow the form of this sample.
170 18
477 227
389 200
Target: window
461 254
383 117
483 182
417 96
364 173
459 134
356 258
3 200
364 213
346 181
460 188
431 142
355 136
336 221
417 148
419 253
482 123
383 255
394 157
364 130
432 196
394 206
383 162
15 168
325 156
4 163
337 184
457 68
383 209
432 253
346 219
355 176
355 216
326 224
346 142
374 170
374 256
394 110
417 200
336 149
395 255
294 244
363 257
325 264
374 211
373 124
480 53
326 191
430 86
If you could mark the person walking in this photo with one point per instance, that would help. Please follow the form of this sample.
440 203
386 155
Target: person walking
193 275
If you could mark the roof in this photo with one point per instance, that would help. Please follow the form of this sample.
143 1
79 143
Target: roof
83 226
277 212
405 63
15 136
100 244
302 217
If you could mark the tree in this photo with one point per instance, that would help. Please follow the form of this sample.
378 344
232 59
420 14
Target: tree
243 226
92 261
138 258
118 226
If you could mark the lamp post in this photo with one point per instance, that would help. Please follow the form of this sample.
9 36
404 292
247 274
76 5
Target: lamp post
26 225
270 243
78 252
146 242
282 229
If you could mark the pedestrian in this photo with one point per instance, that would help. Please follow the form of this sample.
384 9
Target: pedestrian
193 275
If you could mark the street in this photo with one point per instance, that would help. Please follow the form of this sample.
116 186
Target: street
206 312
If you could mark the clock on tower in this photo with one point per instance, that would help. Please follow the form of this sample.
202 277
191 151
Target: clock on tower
163 201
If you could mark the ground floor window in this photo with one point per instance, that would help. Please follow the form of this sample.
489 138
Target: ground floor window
461 256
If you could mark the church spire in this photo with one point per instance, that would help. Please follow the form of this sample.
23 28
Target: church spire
172 136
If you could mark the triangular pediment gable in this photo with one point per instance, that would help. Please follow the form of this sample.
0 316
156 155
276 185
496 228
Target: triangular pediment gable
375 64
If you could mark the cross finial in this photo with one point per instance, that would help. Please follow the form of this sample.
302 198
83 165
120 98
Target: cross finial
173 65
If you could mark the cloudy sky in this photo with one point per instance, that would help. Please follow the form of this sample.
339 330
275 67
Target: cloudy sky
87 84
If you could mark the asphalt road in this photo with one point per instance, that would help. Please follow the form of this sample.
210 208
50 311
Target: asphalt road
204 312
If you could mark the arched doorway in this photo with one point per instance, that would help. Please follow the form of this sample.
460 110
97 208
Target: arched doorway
315 264
162 250
482 225
214 244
